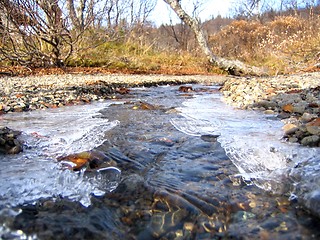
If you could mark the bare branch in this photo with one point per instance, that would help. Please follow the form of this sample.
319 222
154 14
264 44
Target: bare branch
232 67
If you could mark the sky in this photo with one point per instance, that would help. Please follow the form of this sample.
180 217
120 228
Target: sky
162 11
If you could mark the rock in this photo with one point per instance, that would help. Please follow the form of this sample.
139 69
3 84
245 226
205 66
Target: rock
14 150
9 144
185 89
313 202
299 108
267 104
269 112
315 130
293 140
312 141
87 160
144 106
314 126
283 115
34 99
2 141
288 108
122 90
290 128
307 117
209 138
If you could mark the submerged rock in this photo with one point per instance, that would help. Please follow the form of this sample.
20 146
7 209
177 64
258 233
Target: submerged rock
87 160
185 89
144 106
9 143
306 180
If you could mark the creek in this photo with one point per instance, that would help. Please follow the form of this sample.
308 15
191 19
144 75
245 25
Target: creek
188 166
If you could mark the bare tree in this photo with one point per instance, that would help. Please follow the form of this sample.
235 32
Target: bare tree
140 10
83 15
33 31
43 32
234 67
120 17
248 8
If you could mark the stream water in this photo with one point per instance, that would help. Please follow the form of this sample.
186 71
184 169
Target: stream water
187 167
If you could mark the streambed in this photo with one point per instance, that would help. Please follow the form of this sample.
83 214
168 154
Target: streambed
188 167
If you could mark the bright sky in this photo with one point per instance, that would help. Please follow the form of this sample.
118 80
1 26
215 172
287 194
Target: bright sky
210 8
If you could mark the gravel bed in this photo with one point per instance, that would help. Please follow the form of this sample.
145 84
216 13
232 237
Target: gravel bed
294 98
39 92
19 94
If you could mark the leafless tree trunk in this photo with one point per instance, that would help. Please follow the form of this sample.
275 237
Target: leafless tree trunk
233 67
34 32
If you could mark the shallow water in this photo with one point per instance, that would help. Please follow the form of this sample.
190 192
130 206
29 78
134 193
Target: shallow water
35 174
251 140
174 179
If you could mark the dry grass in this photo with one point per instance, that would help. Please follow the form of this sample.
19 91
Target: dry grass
284 45
134 58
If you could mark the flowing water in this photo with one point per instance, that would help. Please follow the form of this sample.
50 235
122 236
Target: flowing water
187 167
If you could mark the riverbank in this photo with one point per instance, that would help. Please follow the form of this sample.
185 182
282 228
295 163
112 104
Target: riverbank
49 91
294 98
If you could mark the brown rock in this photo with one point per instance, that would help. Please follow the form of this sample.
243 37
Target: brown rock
86 160
122 90
288 108
313 127
315 122
185 89
14 150
290 128
144 106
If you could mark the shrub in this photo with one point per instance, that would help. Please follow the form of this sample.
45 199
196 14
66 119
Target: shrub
284 44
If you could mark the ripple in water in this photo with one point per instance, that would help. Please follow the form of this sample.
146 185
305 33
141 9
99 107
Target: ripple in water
253 143
35 174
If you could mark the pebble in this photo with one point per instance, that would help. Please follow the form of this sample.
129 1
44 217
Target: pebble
289 97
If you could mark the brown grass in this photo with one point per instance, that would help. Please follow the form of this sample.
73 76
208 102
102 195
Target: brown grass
284 45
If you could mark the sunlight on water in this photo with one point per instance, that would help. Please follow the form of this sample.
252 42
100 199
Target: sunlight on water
48 134
251 140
